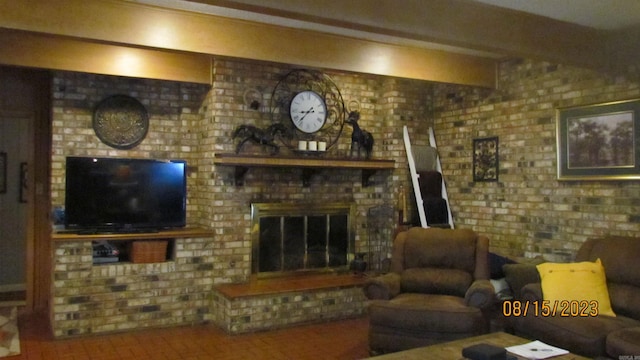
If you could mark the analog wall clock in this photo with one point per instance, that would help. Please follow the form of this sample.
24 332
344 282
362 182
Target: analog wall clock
308 111
308 103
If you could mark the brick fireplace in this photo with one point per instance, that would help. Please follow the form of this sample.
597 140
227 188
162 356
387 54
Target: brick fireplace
195 122
289 240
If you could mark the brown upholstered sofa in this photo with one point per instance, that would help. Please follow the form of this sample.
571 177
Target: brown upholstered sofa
436 291
599 336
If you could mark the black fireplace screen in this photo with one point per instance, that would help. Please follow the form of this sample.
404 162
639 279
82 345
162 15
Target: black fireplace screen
292 238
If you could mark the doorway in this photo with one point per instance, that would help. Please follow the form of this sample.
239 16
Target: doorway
24 159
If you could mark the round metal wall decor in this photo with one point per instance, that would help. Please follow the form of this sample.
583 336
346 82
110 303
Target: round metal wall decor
121 121
301 80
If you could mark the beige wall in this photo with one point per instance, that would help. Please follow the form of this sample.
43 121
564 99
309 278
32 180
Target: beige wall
17 112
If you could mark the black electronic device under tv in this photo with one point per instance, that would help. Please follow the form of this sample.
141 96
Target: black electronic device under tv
124 194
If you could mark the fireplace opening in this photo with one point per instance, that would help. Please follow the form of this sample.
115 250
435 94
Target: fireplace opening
298 238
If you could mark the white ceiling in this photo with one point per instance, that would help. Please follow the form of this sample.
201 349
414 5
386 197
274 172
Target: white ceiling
598 14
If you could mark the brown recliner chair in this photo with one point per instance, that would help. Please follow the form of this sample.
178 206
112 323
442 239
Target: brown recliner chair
436 291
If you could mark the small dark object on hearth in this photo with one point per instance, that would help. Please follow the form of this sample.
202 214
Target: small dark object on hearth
359 265
260 136
362 138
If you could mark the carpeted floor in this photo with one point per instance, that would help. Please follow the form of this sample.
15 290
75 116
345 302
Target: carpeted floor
9 337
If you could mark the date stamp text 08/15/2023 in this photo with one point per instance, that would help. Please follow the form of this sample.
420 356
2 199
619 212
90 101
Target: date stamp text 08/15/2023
546 308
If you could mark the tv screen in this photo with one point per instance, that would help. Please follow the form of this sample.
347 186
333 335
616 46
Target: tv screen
120 194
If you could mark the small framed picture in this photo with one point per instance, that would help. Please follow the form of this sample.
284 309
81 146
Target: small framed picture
485 159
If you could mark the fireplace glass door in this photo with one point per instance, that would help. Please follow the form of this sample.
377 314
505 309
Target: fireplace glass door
291 238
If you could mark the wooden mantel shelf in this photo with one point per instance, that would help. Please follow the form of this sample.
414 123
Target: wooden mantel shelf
309 164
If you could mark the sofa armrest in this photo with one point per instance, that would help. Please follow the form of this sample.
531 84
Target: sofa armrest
480 294
382 287
519 275
532 292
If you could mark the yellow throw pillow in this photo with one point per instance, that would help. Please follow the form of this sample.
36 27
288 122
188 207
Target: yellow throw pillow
574 289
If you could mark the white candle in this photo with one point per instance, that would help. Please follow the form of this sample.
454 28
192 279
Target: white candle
313 146
322 146
302 145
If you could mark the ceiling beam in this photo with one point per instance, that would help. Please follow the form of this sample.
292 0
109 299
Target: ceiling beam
461 24
131 24
46 52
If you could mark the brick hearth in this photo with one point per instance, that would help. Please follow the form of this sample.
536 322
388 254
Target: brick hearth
264 304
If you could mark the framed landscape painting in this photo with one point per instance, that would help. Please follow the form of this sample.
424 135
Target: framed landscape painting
599 142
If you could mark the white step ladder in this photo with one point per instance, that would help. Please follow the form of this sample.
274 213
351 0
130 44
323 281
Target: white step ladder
415 177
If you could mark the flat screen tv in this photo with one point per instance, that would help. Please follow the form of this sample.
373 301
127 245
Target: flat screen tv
124 195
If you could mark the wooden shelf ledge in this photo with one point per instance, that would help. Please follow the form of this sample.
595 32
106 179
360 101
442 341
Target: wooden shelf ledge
309 164
269 286
164 234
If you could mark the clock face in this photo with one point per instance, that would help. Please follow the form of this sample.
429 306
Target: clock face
308 111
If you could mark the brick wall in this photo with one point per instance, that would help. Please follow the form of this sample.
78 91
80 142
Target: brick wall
529 212
263 312
385 105
90 299
174 117
193 122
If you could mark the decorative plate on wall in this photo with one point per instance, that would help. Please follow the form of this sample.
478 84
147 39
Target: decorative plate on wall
121 121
